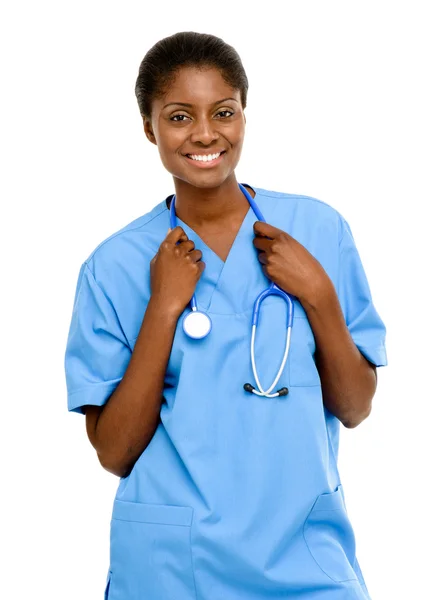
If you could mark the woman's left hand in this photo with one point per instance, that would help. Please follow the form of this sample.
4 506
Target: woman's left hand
288 263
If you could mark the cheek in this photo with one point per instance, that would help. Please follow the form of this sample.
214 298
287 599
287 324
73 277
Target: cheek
239 130
235 138
169 140
168 153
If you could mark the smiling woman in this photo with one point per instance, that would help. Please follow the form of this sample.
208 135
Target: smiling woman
198 124
224 493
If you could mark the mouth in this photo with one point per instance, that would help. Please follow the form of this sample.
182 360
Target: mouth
206 161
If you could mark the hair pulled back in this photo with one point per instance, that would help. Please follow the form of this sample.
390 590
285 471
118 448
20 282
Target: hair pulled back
161 63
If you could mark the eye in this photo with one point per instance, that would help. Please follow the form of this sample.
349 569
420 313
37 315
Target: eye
175 118
178 120
225 111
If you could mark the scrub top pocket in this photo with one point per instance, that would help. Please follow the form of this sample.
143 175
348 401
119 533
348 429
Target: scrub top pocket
302 366
150 552
301 369
330 537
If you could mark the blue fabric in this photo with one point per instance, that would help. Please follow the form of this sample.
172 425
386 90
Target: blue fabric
236 496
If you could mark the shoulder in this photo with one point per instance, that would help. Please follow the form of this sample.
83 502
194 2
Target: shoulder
305 213
138 241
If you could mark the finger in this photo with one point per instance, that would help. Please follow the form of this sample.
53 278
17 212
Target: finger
266 230
176 235
262 243
187 245
196 255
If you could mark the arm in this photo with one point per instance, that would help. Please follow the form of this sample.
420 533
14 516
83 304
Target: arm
121 429
348 378
337 318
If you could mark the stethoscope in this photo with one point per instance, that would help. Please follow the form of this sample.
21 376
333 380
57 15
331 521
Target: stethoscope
197 324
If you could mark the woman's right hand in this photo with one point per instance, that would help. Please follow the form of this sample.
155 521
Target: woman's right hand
175 270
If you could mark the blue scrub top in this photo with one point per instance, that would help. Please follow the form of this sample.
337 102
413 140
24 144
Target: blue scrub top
237 497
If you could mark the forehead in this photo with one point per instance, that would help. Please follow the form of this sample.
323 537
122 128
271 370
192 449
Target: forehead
198 87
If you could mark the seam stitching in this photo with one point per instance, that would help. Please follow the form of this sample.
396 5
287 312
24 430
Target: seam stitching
150 522
309 550
191 557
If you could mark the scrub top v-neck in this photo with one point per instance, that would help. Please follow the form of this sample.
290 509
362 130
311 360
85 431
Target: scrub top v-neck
236 497
218 274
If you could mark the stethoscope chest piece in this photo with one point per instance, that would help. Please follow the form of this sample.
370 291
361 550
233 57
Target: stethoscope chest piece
196 324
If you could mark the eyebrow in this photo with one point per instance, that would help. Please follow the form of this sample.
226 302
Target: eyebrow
190 105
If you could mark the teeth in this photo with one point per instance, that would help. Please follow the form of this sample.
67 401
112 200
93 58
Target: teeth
204 158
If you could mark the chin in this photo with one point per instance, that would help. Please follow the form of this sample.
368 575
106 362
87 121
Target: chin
202 180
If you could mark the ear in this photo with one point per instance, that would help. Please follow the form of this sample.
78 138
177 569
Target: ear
149 130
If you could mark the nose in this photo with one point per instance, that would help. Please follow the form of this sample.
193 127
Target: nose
204 131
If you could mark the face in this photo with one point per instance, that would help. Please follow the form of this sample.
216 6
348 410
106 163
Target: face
199 115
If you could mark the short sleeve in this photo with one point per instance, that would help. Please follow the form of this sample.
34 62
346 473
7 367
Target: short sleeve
97 353
365 325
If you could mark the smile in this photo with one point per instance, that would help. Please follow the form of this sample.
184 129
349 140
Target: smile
205 160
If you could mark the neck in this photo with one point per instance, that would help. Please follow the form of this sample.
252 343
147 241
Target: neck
203 206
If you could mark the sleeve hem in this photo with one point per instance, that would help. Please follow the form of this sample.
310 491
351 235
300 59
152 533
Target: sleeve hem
375 354
96 395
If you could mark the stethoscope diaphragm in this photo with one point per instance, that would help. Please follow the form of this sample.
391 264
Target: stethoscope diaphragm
197 324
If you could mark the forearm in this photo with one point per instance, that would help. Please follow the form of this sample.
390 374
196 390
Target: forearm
348 379
130 417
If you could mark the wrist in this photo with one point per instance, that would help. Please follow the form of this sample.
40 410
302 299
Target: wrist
164 308
320 291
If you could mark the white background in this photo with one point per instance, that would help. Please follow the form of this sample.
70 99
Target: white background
340 107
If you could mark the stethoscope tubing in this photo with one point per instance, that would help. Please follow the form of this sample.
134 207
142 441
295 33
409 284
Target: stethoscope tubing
272 290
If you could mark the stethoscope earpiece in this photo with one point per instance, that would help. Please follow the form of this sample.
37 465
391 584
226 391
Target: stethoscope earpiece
197 324
250 388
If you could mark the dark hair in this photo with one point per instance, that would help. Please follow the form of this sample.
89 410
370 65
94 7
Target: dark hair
159 67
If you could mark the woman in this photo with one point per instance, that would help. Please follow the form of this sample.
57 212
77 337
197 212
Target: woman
224 493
